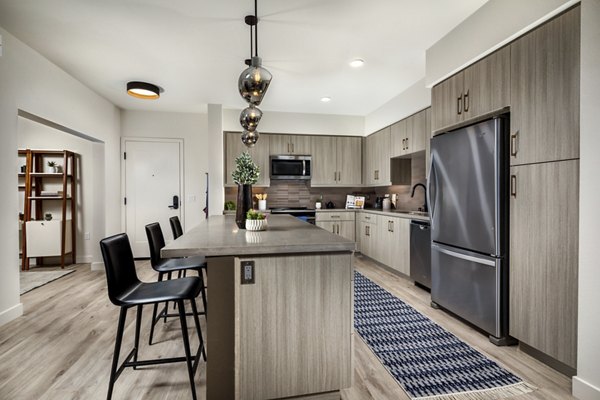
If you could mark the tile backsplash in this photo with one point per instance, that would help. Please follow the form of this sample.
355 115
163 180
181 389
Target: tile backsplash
301 194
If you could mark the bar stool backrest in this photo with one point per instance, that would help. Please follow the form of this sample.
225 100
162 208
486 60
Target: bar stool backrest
156 241
121 277
176 227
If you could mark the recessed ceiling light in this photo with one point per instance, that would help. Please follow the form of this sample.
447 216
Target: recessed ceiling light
325 99
357 63
143 90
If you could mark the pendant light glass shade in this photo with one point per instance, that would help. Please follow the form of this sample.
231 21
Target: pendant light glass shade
250 117
254 82
250 138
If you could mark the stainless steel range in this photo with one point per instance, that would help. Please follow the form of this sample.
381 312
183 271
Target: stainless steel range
303 213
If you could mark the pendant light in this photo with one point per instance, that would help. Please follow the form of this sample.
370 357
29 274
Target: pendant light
253 84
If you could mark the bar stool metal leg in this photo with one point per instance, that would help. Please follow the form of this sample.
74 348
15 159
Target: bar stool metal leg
186 345
154 312
115 363
138 323
199 331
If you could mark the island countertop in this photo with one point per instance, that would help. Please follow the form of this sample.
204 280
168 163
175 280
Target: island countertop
219 236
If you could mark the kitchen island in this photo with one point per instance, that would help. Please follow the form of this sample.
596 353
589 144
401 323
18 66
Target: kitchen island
280 308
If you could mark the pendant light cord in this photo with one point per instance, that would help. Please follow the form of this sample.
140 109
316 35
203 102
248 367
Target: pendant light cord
256 28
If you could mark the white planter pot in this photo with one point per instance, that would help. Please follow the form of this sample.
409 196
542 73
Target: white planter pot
256 224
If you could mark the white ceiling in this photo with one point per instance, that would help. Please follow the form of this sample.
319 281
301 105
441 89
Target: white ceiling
195 49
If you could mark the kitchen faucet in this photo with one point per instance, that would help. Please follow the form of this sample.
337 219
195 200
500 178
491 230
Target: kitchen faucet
424 190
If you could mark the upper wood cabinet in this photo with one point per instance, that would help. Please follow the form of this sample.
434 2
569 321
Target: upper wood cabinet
377 158
545 92
544 231
336 161
259 153
410 135
480 89
290 144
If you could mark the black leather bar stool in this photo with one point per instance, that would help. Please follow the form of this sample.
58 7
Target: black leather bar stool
167 266
177 232
125 290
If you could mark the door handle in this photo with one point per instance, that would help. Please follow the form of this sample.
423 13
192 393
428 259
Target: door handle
459 104
292 147
428 191
392 225
466 102
513 144
339 176
513 186
465 257
406 143
175 204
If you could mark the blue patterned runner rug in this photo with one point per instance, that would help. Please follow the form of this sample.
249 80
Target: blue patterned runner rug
428 362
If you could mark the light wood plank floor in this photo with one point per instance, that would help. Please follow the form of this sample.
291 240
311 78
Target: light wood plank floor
62 347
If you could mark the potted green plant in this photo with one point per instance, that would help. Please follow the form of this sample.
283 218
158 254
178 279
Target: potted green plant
52 167
255 221
245 175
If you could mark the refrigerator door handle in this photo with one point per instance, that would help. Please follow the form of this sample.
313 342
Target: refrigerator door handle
428 191
465 257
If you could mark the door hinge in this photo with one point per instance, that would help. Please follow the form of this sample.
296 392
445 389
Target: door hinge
124 155
125 200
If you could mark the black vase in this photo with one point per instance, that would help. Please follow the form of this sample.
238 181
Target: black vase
244 203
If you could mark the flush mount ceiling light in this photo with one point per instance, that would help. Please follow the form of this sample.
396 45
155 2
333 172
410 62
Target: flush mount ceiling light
325 99
357 63
143 90
253 84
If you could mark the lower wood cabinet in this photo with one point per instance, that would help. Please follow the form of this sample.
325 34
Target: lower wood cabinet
544 240
385 239
341 228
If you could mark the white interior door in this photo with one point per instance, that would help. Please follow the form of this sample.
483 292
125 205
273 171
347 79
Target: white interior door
153 177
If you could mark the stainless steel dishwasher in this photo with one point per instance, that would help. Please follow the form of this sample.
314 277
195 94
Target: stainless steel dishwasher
420 252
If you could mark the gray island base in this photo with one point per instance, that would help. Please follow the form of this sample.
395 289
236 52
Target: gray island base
280 306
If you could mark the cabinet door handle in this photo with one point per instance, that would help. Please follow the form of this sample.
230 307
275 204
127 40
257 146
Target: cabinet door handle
513 144
338 229
339 176
292 147
406 144
513 186
332 228
392 226
466 102
459 104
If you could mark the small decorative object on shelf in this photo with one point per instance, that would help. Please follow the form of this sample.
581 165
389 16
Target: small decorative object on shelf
245 175
52 167
319 203
255 221
229 205
48 216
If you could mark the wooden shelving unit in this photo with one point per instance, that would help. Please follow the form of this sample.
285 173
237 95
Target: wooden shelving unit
35 179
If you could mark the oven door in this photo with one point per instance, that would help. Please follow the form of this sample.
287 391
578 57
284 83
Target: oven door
290 167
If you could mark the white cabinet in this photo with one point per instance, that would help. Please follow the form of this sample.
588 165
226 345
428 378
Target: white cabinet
44 238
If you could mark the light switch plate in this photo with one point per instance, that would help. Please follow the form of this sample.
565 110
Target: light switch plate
248 272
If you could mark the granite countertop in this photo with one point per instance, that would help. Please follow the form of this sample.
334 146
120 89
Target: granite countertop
390 213
219 236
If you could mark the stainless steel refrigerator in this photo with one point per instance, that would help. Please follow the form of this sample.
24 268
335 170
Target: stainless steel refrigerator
468 198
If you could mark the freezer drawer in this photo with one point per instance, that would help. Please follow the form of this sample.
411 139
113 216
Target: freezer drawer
468 284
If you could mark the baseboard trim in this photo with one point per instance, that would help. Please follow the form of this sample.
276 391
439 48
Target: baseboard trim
12 313
84 259
97 266
584 390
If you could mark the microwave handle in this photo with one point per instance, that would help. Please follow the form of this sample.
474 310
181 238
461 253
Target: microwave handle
303 167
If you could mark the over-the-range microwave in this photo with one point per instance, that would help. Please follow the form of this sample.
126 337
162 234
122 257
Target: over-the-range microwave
290 167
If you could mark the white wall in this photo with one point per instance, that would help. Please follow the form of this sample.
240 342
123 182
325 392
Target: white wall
412 100
496 23
216 163
193 129
30 82
284 122
33 135
586 385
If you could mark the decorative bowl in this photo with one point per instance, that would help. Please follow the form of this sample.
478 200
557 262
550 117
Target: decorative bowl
256 224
